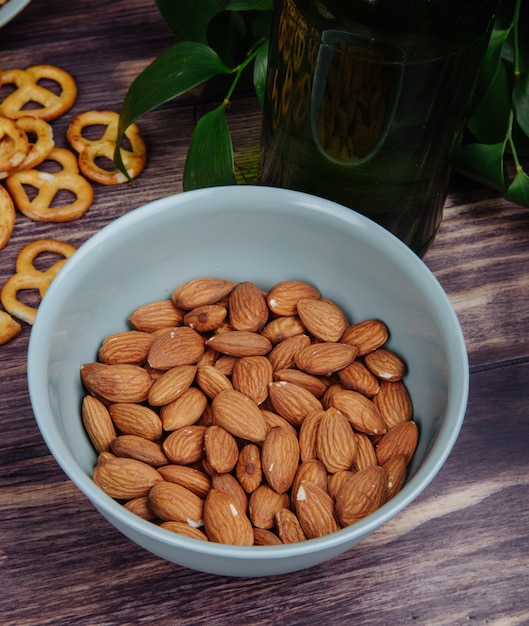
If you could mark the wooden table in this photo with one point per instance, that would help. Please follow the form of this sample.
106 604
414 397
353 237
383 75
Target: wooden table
458 555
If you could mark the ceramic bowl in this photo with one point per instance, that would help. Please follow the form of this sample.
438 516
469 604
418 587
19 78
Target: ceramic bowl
263 235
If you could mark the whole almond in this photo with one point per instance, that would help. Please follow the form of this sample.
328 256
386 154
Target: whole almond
385 364
185 445
212 381
224 522
280 458
120 382
154 315
98 423
315 510
361 494
141 508
225 363
360 411
264 503
283 354
179 346
240 343
206 318
248 469
308 435
365 452
312 471
130 346
228 484
221 449
189 477
394 402
288 527
283 297
172 502
367 335
401 439
264 537
323 359
395 468
183 528
201 291
252 376
136 419
185 410
336 482
322 318
292 402
314 384
124 479
139 448
336 443
248 307
281 328
357 377
171 384
239 415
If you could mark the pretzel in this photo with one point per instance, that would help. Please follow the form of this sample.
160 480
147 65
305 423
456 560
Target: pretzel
48 184
28 91
27 276
9 327
44 142
103 147
7 217
14 146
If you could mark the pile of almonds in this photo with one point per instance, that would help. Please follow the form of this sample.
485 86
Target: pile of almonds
246 417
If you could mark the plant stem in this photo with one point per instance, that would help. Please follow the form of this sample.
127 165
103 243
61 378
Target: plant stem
240 69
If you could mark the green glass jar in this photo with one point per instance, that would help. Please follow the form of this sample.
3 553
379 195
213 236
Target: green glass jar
365 100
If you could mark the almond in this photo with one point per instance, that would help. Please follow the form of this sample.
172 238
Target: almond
385 364
179 346
171 384
228 484
201 291
401 439
264 537
312 471
196 481
141 508
360 411
325 358
282 328
314 384
248 469
395 468
136 419
365 452
280 458
155 315
240 343
273 419
124 479
221 449
308 435
315 510
98 423
264 503
212 381
225 363
130 346
224 522
252 376
283 297
288 527
120 382
292 402
322 318
136 447
183 528
239 415
336 443
185 445
248 307
367 335
187 409
206 318
283 353
172 502
361 494
357 377
336 481
394 402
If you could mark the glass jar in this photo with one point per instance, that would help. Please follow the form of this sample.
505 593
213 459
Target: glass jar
365 100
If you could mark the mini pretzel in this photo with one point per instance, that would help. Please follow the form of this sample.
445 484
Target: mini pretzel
9 327
44 142
14 146
7 217
29 277
48 184
91 149
29 92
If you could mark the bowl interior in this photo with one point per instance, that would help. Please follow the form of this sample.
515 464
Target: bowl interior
264 235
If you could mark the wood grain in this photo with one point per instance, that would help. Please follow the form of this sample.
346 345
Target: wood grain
456 555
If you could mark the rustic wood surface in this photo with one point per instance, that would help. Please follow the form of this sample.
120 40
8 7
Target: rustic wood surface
458 555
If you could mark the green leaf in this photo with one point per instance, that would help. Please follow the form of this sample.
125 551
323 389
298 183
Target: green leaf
189 19
490 63
489 122
209 159
520 101
259 71
483 163
518 190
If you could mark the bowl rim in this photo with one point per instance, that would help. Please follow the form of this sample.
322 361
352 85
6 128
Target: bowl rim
40 342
